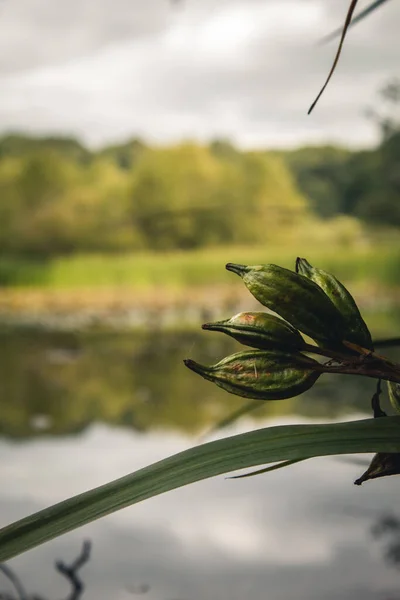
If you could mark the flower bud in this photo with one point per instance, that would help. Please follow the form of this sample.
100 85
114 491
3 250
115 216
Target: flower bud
262 374
260 330
356 330
296 299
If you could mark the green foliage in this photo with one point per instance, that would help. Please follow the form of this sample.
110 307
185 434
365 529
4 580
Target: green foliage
275 444
370 264
58 198
364 184
52 205
188 197
378 195
321 174
125 155
18 146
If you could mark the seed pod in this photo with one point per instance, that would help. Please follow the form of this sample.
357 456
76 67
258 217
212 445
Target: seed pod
262 374
394 395
382 465
260 330
356 328
296 299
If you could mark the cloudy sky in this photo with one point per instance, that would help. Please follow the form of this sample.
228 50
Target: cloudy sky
107 70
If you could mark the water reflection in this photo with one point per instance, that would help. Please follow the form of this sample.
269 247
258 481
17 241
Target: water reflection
58 383
302 533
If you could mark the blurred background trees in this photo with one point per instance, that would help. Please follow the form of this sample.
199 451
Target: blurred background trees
57 197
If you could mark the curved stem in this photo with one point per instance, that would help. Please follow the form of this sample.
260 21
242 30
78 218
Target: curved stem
374 370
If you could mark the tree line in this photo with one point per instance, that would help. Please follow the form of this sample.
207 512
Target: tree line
58 197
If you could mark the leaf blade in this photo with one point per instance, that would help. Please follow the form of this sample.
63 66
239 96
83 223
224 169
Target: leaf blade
281 465
274 444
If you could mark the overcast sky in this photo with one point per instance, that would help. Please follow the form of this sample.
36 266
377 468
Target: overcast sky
108 70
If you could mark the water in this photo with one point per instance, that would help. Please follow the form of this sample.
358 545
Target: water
79 409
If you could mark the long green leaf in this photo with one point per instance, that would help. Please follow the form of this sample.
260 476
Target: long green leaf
281 465
290 442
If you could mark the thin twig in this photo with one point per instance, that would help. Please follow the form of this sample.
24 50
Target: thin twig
71 571
366 363
361 15
374 370
19 588
347 22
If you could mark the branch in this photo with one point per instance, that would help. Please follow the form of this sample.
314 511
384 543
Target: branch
22 595
376 371
346 25
71 571
361 15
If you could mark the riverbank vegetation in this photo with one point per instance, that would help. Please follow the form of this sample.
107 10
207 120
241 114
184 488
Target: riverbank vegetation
140 216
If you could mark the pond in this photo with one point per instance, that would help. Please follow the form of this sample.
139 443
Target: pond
79 409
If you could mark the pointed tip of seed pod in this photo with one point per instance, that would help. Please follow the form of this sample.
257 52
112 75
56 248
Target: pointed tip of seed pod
383 464
194 366
302 265
240 270
213 326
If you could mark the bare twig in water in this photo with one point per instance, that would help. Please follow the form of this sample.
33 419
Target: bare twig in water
14 579
71 571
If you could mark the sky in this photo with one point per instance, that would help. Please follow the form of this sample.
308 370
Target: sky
105 71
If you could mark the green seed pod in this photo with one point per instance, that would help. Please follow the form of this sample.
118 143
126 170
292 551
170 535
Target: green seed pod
296 299
394 395
356 328
260 330
262 374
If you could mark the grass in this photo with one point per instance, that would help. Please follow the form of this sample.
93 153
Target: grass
178 270
178 280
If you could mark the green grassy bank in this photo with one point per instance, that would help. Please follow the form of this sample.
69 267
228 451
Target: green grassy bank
378 264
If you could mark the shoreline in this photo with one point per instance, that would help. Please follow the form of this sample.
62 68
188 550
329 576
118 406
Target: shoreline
151 307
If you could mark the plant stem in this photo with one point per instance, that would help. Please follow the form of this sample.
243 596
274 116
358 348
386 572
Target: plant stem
380 371
368 364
